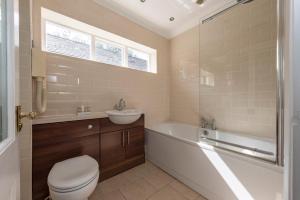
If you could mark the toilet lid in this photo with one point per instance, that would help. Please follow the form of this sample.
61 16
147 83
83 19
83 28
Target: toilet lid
73 173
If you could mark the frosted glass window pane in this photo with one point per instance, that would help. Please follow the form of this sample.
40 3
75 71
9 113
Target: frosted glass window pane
138 60
108 53
66 36
66 41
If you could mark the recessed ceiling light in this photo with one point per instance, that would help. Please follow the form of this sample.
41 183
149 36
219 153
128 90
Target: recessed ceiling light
172 19
200 2
143 1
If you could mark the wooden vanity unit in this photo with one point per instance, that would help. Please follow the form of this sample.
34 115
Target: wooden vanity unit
121 147
117 148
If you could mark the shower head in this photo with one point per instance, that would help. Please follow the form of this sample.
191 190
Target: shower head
244 1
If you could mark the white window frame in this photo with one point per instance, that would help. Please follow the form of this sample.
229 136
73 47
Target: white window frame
44 42
148 62
96 38
97 34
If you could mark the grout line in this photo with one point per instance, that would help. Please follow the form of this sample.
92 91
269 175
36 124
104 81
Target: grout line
175 179
157 191
122 194
177 191
160 189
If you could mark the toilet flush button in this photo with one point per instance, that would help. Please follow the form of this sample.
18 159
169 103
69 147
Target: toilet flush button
90 126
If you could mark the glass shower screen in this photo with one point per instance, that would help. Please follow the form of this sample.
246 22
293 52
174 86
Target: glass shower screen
238 77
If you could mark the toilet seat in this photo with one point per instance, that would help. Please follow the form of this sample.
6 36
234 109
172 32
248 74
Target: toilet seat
62 190
73 174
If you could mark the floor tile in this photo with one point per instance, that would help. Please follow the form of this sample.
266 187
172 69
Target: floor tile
130 176
115 195
112 184
184 190
167 193
144 182
145 170
140 190
201 198
159 179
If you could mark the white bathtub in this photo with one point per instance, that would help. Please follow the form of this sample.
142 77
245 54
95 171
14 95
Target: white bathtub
257 147
190 154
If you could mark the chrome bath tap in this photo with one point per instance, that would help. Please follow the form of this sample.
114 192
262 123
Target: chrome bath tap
208 123
121 105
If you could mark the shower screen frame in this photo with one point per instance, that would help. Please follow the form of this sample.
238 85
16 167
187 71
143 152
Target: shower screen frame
279 72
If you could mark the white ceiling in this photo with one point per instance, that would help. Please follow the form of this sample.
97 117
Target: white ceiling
154 14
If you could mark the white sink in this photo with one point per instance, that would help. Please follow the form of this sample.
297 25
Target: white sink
124 117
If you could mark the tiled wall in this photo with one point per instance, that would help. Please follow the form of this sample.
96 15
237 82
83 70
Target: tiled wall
237 58
73 82
185 77
25 99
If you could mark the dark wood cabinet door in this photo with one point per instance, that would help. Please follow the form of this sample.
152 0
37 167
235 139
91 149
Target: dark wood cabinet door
112 149
135 142
55 142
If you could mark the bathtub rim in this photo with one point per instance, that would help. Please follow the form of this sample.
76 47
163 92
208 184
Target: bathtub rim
247 158
256 137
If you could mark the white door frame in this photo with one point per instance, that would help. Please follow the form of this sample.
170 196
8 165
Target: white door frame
292 80
288 104
9 152
295 125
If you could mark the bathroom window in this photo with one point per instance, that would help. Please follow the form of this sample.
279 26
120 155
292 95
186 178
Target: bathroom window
66 36
138 59
108 53
66 41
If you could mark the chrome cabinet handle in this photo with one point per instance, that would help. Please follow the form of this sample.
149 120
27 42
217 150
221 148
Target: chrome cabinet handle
123 138
90 126
128 137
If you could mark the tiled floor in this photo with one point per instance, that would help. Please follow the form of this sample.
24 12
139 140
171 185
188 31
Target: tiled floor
144 182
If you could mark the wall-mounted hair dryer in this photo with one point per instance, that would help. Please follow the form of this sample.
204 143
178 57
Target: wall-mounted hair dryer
39 76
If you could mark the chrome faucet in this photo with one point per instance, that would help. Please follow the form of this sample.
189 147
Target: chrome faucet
121 105
208 123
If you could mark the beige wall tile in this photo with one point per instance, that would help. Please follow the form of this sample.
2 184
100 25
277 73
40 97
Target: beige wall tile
185 77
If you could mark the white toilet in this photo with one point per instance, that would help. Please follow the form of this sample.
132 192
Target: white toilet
73 179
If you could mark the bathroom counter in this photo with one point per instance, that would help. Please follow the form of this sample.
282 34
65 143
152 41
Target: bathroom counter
69 117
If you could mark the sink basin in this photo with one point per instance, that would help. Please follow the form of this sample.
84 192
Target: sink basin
124 117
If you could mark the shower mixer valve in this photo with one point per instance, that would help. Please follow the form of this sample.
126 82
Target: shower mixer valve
208 123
